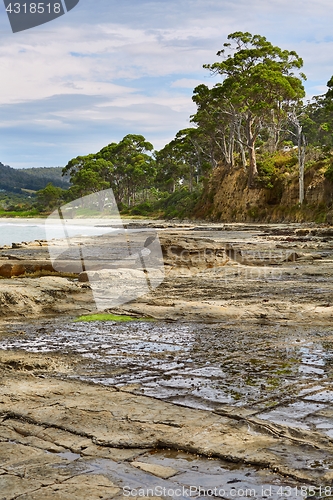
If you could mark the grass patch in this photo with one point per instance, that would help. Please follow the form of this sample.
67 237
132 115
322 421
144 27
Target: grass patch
109 317
22 213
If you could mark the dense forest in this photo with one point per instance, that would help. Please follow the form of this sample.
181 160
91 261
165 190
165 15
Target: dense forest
14 180
254 120
18 187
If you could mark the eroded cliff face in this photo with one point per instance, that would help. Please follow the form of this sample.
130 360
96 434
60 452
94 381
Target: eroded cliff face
228 198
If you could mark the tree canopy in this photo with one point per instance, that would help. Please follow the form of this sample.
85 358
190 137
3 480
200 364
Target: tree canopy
258 89
127 167
255 108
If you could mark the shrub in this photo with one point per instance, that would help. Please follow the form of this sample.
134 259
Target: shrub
271 168
144 208
180 204
329 171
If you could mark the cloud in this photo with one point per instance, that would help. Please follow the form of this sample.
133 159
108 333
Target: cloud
54 130
186 83
110 68
32 69
89 59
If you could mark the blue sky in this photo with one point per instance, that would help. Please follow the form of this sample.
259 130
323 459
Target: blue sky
109 68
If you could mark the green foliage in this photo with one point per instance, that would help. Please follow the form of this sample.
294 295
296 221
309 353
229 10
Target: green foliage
50 197
253 212
19 212
318 121
139 180
127 167
329 171
179 205
48 174
14 180
257 75
271 168
143 209
181 162
17 205
258 89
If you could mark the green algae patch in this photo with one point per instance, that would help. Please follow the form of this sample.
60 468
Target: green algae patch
108 317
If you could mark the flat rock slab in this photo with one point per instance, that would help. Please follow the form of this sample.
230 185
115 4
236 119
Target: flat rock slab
78 416
85 426
29 297
93 487
156 470
236 274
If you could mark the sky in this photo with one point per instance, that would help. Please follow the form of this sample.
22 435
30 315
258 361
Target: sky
107 69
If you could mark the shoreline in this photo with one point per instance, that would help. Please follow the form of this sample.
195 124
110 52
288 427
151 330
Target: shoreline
255 282
226 267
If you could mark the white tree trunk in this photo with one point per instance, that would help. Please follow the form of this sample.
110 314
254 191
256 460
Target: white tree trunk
251 150
301 152
301 161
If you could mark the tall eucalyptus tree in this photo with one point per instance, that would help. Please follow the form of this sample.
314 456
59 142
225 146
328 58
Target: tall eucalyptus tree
258 85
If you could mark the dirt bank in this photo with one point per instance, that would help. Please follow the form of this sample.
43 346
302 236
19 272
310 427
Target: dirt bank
227 197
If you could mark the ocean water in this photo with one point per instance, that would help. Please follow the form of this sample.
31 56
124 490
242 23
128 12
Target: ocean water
18 231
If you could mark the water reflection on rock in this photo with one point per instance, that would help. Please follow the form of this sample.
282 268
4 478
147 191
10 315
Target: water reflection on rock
282 374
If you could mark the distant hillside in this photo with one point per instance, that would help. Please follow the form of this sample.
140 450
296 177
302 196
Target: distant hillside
14 180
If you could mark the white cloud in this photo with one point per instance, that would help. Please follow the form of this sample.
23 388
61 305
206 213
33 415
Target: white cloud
322 89
186 83
77 62
89 82
90 61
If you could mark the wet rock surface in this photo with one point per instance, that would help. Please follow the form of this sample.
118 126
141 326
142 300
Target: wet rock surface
63 438
230 388
215 366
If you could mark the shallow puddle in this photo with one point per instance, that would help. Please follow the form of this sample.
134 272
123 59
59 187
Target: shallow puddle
283 374
191 476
